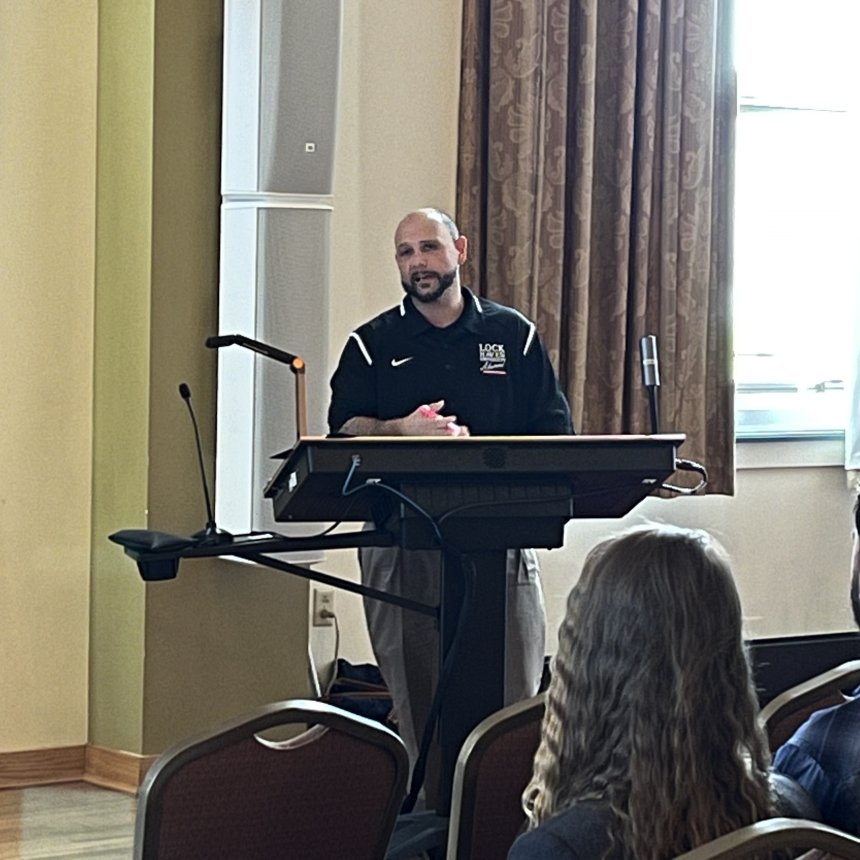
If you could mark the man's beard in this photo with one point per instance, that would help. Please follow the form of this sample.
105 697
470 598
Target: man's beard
443 283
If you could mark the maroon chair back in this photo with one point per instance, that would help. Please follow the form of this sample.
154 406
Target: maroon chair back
333 791
492 771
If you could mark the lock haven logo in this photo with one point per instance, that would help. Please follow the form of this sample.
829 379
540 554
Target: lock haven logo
492 358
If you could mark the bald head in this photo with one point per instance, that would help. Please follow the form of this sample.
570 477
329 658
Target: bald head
429 251
431 214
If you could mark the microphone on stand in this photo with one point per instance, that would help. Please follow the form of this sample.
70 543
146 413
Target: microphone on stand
211 534
651 377
295 362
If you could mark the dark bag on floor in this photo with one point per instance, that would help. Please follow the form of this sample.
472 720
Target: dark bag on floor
360 690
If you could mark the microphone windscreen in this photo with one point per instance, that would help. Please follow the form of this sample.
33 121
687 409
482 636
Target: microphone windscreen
219 340
650 366
184 391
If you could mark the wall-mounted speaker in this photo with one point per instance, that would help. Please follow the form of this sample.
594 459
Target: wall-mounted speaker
281 73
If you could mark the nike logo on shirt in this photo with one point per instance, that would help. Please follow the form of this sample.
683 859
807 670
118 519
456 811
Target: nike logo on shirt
396 362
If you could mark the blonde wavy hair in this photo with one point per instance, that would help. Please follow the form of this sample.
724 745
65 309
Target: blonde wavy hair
651 706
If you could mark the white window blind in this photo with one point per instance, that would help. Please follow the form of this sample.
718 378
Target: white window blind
797 198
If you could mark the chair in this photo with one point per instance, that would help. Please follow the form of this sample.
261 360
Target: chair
492 770
786 712
332 791
778 834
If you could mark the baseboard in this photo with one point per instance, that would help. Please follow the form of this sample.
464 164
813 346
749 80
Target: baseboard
117 769
42 767
109 768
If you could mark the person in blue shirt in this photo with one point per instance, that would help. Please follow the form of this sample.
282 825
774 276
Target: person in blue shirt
823 755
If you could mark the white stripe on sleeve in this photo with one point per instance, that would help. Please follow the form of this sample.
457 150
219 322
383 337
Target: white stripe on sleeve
530 338
362 347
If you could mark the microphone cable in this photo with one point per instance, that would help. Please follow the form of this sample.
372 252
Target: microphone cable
418 772
469 573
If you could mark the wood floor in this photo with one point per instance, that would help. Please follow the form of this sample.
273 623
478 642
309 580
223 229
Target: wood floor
69 820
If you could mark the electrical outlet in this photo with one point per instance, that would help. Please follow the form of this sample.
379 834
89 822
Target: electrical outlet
323 607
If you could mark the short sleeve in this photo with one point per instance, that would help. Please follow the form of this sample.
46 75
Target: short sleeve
353 385
547 407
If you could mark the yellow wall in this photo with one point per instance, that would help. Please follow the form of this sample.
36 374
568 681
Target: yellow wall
47 240
122 365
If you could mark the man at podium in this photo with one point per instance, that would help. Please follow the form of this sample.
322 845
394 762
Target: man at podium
444 362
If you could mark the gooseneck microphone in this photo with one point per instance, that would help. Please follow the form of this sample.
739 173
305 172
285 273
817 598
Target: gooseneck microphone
295 362
651 377
211 534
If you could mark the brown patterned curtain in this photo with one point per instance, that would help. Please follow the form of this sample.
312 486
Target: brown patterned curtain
595 185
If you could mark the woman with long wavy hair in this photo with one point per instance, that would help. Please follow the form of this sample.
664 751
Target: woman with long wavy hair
649 743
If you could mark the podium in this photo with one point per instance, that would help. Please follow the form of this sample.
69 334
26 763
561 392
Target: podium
474 498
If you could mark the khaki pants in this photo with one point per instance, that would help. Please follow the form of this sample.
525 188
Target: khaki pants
406 644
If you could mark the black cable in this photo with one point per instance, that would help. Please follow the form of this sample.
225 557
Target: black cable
468 569
336 523
356 461
412 504
328 529
377 483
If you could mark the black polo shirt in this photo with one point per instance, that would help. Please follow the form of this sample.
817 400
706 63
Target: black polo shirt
489 367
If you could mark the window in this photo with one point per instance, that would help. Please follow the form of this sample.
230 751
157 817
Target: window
796 219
